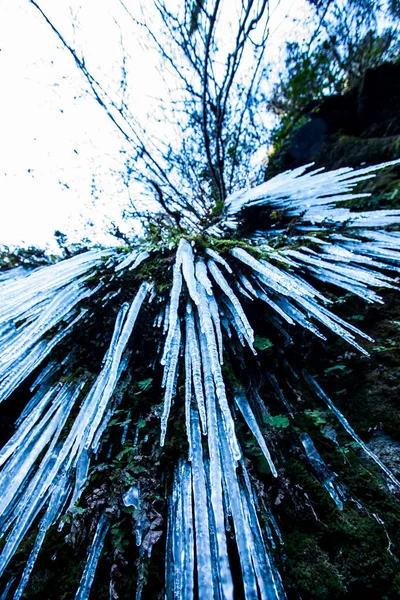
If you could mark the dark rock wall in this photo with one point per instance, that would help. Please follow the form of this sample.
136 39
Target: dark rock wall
360 126
348 556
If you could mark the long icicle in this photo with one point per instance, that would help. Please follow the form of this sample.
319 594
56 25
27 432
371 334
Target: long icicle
349 428
94 554
224 572
268 579
180 537
239 518
202 528
170 378
206 326
188 398
63 458
249 417
326 476
194 351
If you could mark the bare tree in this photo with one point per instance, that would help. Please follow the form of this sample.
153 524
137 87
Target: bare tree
214 65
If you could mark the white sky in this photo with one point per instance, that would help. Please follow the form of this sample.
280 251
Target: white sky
53 136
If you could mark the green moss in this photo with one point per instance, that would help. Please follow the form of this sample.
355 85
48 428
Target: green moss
309 570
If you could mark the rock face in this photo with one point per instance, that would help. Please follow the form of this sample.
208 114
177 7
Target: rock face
325 559
387 449
362 125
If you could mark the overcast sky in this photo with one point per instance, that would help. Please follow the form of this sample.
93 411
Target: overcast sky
59 153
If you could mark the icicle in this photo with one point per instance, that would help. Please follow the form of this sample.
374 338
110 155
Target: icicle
218 258
110 296
338 216
274 525
129 258
49 517
247 284
202 528
64 457
349 428
302 293
214 311
134 257
194 351
42 378
202 277
30 504
21 369
280 393
276 528
28 422
173 322
188 533
270 536
170 375
239 520
263 296
296 191
213 536
233 318
226 325
107 380
139 259
275 278
125 430
186 253
180 537
212 357
82 469
252 424
93 558
188 398
347 325
326 476
7 589
268 578
178 533
243 291
31 445
14 273
346 284
335 252
99 433
158 321
217 504
296 314
357 274
390 543
42 284
166 317
243 324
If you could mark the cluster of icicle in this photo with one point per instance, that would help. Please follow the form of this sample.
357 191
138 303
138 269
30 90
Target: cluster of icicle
44 466
313 196
41 469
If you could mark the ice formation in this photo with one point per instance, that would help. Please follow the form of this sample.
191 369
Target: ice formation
93 558
45 465
28 487
323 472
